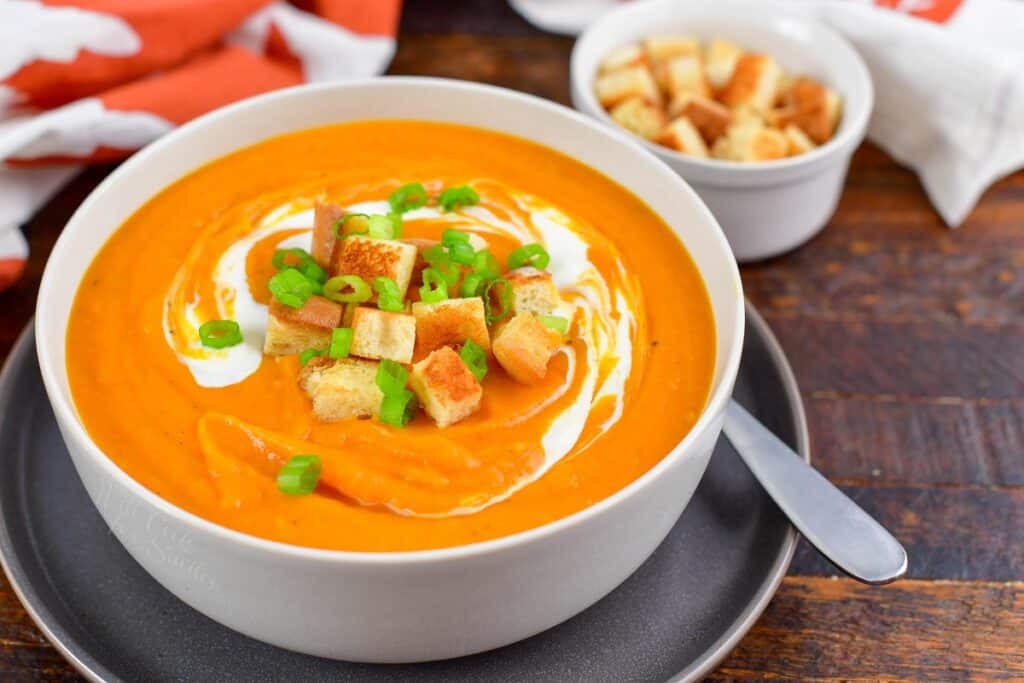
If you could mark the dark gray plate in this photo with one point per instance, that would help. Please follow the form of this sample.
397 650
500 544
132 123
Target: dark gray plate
674 619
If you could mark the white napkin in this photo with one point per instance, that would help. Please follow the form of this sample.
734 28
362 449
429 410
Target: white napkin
949 89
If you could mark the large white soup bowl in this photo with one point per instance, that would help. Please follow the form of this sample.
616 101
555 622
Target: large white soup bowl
403 606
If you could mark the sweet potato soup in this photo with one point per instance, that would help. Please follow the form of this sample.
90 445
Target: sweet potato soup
390 335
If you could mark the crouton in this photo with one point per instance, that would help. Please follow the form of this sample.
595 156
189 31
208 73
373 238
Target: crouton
382 334
533 291
618 86
662 48
523 346
341 389
686 74
682 136
294 330
324 239
640 117
811 106
710 118
369 258
720 60
798 141
753 82
623 57
751 141
445 387
450 323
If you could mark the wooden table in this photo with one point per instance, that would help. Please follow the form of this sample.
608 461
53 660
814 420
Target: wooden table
908 342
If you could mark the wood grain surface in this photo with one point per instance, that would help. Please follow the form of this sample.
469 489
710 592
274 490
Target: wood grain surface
907 339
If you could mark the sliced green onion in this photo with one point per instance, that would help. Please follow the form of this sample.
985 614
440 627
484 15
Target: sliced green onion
555 322
529 255
496 312
408 197
388 296
485 264
391 377
339 225
439 260
299 475
450 237
291 287
471 285
398 409
341 342
434 287
220 334
461 253
300 260
475 358
385 227
347 289
308 355
454 197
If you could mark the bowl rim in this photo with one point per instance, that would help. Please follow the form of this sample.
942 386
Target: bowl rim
847 136
68 418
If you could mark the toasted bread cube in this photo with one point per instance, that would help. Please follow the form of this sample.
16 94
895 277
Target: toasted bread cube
682 136
533 291
324 238
450 323
342 389
753 82
811 106
623 57
662 48
633 82
523 346
639 117
710 118
382 334
369 258
294 330
445 387
720 60
798 141
751 141
686 75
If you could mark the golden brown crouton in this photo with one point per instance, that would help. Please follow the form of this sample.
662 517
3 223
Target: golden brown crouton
682 136
370 258
621 85
450 323
533 291
294 330
341 389
686 74
720 60
640 117
710 118
623 57
661 48
753 82
811 106
751 141
524 346
381 334
445 387
324 239
798 141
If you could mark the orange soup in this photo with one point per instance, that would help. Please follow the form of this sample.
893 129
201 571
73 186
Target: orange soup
390 335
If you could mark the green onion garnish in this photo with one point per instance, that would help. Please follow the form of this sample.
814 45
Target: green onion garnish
475 358
347 289
450 237
461 253
408 197
471 285
299 475
529 255
220 334
391 377
388 296
339 225
485 264
454 197
434 287
398 409
439 260
504 303
291 287
301 260
385 227
308 355
555 322
341 342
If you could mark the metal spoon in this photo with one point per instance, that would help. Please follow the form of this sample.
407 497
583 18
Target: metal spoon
833 523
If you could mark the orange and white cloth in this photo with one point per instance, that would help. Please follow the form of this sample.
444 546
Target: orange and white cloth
948 74
93 80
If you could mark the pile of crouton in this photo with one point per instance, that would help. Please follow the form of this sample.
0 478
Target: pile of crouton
715 101
431 334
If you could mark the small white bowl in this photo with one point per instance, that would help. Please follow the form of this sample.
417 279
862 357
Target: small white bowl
402 606
765 208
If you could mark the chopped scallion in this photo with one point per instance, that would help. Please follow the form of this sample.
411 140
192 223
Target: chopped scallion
529 255
555 322
475 358
220 334
300 475
471 285
499 303
461 253
451 237
434 287
339 225
439 260
485 264
347 289
408 197
385 227
291 287
388 296
391 377
308 355
398 409
454 197
341 342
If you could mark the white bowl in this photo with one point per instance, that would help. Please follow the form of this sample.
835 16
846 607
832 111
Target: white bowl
765 208
405 606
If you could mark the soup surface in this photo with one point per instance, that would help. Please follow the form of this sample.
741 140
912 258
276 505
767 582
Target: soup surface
209 429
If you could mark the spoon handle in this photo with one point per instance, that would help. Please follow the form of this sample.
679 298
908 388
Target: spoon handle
834 524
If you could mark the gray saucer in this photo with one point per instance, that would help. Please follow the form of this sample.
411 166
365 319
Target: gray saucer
674 619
